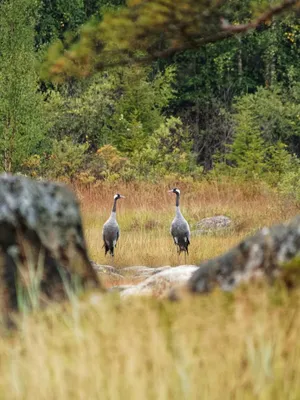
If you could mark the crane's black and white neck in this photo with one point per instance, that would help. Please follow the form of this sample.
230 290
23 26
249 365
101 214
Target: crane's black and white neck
180 229
177 192
114 209
111 230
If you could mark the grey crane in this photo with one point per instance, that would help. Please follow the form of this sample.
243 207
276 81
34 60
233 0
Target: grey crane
111 230
180 229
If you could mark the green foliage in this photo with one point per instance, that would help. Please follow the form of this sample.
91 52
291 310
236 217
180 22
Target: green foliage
84 114
147 30
69 161
135 29
275 116
247 152
96 7
32 166
22 127
122 107
106 164
210 77
289 181
66 159
252 77
256 153
167 152
138 111
56 17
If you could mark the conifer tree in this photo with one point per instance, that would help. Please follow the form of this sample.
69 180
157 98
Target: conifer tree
21 106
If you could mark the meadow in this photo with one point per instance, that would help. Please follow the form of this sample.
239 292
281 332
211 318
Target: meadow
146 214
240 345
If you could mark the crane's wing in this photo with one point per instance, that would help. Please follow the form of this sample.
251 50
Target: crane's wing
117 237
187 233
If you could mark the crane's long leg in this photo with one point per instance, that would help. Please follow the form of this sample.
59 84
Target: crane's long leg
185 257
178 256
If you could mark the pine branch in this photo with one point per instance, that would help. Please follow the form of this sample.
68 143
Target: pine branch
182 29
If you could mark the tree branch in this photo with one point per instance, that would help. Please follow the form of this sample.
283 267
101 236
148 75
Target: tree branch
227 31
183 29
266 16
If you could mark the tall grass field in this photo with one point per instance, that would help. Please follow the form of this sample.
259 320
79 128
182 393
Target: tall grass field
240 345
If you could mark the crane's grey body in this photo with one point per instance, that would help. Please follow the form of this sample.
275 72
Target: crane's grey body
180 229
111 230
111 234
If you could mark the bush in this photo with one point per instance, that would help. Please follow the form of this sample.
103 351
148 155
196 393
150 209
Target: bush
106 164
289 182
167 152
122 106
256 151
32 166
66 159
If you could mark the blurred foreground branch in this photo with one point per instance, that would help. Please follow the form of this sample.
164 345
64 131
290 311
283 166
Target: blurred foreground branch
148 30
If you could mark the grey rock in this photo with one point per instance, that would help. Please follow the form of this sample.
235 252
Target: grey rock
212 224
106 270
262 254
120 288
41 235
159 284
142 272
135 273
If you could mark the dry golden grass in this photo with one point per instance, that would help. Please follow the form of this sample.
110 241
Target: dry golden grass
242 345
223 346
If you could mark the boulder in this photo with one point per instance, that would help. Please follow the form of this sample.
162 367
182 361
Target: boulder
266 253
160 283
119 288
106 270
142 272
211 225
133 274
42 248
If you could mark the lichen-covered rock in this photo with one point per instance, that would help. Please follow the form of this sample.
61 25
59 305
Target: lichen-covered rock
42 247
135 273
211 225
160 283
264 253
106 270
142 272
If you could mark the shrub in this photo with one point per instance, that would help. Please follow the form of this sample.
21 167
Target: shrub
167 152
32 166
106 164
66 159
257 151
289 182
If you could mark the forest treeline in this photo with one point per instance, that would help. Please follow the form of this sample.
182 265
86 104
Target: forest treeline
227 109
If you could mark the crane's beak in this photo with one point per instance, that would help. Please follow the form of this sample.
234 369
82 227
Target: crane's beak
170 191
122 197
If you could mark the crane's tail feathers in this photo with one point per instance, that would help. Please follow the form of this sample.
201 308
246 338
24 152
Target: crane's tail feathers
108 249
183 248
